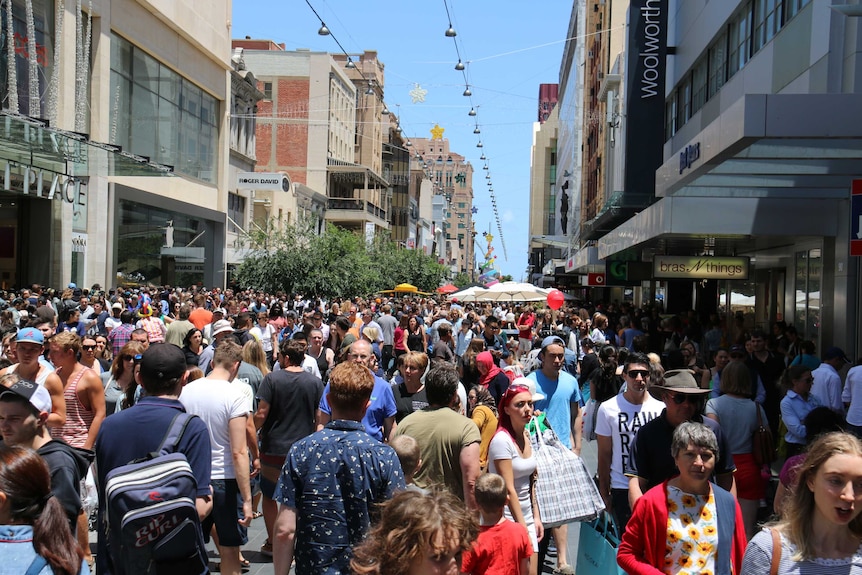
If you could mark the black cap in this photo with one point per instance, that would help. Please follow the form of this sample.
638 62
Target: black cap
163 361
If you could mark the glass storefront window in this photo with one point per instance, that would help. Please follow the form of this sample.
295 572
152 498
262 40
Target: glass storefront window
807 290
184 133
43 19
153 246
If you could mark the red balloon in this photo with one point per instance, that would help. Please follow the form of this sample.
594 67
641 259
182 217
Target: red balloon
555 299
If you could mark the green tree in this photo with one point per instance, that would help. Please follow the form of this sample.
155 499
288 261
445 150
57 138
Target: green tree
506 278
461 280
336 263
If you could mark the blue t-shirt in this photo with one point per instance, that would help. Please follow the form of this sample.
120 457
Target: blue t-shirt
382 406
556 406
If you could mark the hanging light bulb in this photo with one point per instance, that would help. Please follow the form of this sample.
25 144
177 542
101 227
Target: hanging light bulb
479 145
451 33
472 112
323 31
459 66
482 157
488 176
477 130
467 91
485 167
350 65
409 143
385 111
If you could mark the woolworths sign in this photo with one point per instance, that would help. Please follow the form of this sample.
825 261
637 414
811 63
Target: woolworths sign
699 268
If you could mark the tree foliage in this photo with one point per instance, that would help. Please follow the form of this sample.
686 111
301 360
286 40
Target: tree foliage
335 263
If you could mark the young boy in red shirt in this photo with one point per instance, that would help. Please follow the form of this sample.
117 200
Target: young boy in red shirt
503 546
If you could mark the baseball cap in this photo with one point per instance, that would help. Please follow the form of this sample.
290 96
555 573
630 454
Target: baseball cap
220 310
552 340
531 385
72 285
163 361
35 394
736 348
30 335
117 305
834 352
221 326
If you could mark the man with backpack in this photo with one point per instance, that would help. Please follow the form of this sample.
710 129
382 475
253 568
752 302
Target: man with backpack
158 424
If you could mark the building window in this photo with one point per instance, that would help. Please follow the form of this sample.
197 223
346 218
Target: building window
158 114
740 40
43 21
698 85
684 108
267 90
767 21
236 213
794 6
717 65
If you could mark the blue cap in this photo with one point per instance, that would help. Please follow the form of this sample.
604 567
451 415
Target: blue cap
72 285
552 340
30 335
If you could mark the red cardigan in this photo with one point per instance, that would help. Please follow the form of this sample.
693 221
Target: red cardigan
642 549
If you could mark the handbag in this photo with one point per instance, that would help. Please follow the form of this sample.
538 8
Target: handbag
762 445
565 492
597 547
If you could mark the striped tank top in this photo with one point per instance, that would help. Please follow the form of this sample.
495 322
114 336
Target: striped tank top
78 418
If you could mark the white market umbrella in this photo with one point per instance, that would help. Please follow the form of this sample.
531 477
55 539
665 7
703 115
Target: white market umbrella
513 291
468 294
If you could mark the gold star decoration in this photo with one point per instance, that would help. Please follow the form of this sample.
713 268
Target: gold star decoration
437 132
417 94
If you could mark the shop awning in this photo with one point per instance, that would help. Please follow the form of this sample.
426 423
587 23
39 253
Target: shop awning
26 141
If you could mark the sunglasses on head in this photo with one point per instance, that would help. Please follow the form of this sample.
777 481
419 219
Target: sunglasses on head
634 373
680 398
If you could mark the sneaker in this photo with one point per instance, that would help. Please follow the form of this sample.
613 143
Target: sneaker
266 548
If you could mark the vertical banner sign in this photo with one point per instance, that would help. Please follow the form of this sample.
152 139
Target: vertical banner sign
856 218
645 93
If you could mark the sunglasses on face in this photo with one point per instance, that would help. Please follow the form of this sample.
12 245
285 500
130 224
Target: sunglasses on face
680 398
88 347
634 373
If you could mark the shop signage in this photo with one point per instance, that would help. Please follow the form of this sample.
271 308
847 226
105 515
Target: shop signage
189 268
703 267
275 181
689 155
645 86
856 218
596 280
30 181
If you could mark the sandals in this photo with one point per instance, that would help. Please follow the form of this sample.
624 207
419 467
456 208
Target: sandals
257 514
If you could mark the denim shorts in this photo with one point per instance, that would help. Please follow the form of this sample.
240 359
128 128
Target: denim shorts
227 507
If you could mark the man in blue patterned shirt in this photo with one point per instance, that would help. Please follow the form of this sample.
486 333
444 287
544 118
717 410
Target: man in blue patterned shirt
331 481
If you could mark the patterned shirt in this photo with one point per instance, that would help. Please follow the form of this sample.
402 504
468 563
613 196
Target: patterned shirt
120 336
692 533
333 478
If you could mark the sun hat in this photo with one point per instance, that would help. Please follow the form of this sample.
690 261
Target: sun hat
531 385
681 381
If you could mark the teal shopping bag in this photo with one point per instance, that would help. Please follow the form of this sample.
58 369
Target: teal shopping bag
597 547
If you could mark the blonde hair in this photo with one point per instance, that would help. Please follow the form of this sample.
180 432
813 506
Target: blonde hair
252 352
798 521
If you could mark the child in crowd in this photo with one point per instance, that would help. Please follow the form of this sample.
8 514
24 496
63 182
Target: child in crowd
407 450
417 533
503 546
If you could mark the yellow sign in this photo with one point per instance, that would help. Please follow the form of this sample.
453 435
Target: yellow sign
437 132
703 267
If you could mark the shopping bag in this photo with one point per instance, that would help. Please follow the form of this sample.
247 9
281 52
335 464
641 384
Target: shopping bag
589 431
565 491
597 547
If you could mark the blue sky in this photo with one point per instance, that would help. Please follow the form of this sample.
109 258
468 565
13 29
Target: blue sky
509 48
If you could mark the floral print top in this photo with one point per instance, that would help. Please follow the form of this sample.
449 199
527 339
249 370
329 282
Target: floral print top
334 478
692 533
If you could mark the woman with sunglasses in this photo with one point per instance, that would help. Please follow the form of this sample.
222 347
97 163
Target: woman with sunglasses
798 403
88 356
511 456
120 387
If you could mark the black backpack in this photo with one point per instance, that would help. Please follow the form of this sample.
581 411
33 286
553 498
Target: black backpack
153 526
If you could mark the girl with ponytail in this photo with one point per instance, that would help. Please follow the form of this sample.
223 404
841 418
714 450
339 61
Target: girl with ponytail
34 529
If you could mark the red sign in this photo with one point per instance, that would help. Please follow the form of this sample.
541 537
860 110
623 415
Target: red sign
596 280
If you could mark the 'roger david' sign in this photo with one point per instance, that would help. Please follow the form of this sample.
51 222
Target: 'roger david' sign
699 268
276 181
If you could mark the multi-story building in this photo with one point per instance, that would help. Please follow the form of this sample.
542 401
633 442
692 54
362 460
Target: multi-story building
148 79
741 202
549 207
307 128
452 177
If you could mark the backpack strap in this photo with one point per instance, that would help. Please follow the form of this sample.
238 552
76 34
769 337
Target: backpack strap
36 566
776 552
175 433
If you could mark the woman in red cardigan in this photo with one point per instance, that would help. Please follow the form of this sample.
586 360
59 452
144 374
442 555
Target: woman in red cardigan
686 525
